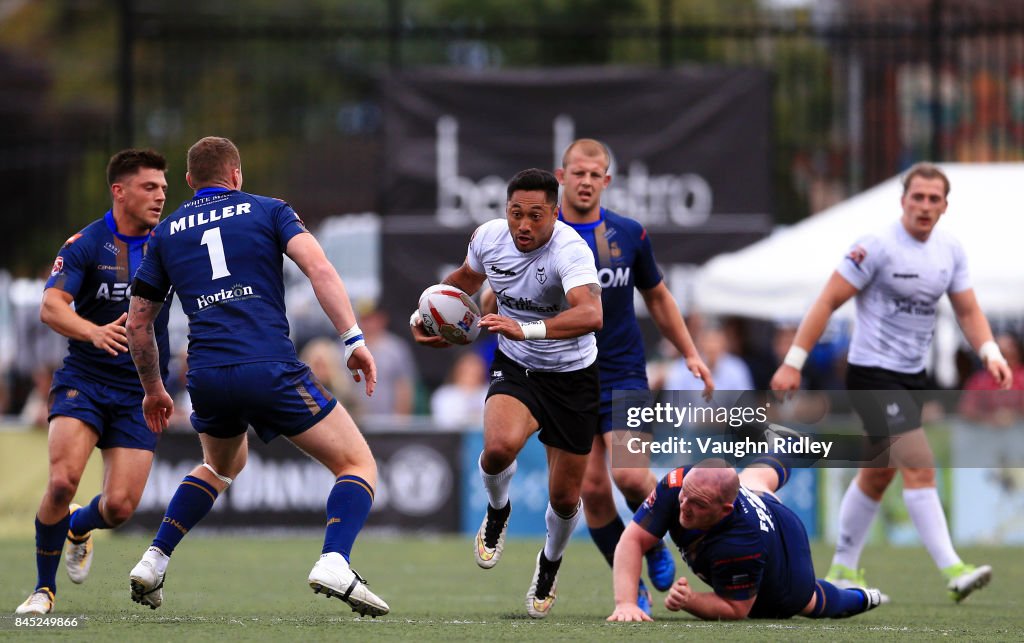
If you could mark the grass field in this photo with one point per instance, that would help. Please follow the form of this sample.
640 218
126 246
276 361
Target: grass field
247 588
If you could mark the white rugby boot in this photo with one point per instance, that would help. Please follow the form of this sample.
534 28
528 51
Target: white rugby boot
78 553
332 576
147 581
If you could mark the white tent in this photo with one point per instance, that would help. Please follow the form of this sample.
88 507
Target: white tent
779 277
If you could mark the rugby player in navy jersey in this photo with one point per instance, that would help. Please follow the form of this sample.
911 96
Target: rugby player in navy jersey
738 538
223 252
625 260
96 399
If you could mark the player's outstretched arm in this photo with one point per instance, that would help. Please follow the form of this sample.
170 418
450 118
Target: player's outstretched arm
665 313
629 553
978 332
330 291
57 313
836 293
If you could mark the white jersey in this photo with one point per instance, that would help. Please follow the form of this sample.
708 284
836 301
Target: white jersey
900 280
532 285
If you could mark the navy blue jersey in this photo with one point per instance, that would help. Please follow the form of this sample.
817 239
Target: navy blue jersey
760 549
625 260
96 267
223 253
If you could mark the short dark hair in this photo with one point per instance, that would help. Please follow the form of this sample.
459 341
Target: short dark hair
927 171
212 158
130 161
535 180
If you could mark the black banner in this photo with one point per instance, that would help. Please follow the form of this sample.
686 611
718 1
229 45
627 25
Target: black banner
690 145
282 488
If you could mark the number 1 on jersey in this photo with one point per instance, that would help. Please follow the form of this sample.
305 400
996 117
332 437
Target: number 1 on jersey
211 239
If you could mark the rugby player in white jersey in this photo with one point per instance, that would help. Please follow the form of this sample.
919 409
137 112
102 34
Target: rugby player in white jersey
898 276
544 377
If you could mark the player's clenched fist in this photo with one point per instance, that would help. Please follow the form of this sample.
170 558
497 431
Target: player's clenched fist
679 595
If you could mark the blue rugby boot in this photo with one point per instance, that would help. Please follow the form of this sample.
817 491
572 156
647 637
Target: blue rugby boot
661 566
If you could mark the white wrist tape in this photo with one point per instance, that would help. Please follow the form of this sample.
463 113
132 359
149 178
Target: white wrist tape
989 351
795 357
415 317
534 329
353 339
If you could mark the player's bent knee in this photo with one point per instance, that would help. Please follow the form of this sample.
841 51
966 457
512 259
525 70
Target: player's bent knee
634 483
916 478
565 502
62 489
117 511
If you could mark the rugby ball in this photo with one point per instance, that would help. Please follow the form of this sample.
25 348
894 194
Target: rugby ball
449 313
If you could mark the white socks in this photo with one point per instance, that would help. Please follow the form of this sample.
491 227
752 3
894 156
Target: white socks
559 531
497 484
856 513
925 511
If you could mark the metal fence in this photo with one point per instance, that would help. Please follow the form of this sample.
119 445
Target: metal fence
862 89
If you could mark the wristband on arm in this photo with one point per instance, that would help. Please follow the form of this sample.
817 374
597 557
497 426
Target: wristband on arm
795 357
353 339
534 329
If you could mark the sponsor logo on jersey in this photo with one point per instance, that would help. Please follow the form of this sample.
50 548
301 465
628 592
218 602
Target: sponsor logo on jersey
104 266
225 295
675 477
609 277
857 256
111 247
501 271
116 291
71 394
910 306
523 303
541 275
58 266
497 376
905 275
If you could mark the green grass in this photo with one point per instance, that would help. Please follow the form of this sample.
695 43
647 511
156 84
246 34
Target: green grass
247 588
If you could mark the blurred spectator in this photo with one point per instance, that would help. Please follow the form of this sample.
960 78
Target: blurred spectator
983 401
824 364
324 358
39 352
729 371
177 380
396 367
459 403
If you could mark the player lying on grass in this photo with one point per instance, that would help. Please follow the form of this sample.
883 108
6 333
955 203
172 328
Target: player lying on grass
738 538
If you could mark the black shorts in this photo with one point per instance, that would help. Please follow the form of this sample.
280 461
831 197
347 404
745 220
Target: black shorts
888 402
565 405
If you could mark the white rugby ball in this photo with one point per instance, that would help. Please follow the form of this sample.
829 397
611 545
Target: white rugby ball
449 313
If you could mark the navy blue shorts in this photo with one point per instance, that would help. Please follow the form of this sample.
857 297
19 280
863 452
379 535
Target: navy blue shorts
276 398
786 596
625 384
114 413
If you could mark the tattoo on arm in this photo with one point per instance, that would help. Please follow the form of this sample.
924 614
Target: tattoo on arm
142 345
